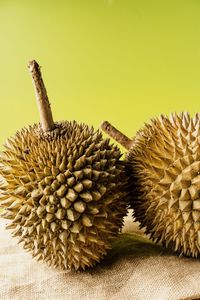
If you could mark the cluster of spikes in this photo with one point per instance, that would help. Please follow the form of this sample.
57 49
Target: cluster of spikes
164 158
63 189
66 191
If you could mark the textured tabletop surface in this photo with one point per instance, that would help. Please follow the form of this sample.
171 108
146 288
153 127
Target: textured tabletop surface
134 269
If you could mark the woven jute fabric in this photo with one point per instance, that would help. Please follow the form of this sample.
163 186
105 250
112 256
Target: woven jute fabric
134 269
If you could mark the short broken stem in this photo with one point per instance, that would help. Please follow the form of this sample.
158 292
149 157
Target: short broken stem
44 107
118 136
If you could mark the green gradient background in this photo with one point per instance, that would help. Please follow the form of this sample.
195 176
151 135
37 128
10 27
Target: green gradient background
121 60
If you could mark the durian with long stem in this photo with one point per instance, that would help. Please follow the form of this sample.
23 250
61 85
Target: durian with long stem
164 157
63 188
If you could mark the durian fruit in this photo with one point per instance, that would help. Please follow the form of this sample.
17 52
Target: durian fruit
64 188
165 175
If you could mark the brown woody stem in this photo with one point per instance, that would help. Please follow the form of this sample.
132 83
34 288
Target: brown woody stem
44 107
116 135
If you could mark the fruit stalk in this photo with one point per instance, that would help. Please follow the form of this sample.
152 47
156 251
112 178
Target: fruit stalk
44 107
118 136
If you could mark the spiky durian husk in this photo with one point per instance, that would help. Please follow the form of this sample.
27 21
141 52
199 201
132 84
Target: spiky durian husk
64 193
165 162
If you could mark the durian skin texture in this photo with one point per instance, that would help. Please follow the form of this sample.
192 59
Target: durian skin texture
165 163
64 193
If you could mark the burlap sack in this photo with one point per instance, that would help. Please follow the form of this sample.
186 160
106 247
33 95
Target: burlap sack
134 269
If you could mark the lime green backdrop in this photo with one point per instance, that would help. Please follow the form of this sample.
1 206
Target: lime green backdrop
121 60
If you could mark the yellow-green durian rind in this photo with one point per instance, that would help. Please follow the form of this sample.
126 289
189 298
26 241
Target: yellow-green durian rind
165 163
64 193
